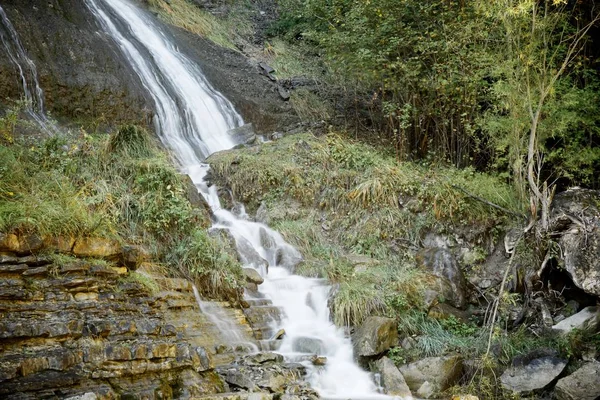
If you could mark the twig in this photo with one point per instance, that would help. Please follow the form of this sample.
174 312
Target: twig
489 203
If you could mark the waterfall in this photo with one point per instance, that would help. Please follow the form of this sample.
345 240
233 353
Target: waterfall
32 92
193 120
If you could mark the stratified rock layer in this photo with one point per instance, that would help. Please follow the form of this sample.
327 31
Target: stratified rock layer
86 326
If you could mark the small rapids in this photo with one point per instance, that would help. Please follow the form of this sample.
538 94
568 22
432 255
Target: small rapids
193 120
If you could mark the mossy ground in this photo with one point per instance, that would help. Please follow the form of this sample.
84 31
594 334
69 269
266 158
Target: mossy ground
120 186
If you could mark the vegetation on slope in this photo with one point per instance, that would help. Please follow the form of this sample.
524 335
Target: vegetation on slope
464 80
122 187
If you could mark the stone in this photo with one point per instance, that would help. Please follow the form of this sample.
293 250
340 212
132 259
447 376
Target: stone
442 264
248 256
309 345
426 391
318 360
262 215
278 335
253 276
283 93
20 244
236 378
587 320
583 384
391 379
374 336
133 256
266 240
268 357
533 376
575 218
97 248
243 134
83 296
59 244
440 372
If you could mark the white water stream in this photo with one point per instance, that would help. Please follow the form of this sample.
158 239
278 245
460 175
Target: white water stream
193 120
32 92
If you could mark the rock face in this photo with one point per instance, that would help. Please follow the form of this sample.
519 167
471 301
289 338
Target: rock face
78 327
533 376
576 215
391 379
243 134
442 264
587 319
433 374
583 384
374 336
95 82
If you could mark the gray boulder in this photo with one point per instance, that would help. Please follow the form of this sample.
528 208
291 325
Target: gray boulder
533 376
253 276
442 264
575 214
587 320
583 384
374 336
243 134
439 373
391 379
308 345
247 255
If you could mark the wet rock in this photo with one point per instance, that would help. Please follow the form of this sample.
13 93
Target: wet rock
374 336
266 240
532 376
318 360
262 215
308 345
440 372
243 134
249 256
587 320
442 264
278 335
253 276
97 248
391 379
288 257
262 358
583 384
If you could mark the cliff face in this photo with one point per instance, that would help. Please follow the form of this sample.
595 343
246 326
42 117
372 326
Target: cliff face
80 325
81 72
85 77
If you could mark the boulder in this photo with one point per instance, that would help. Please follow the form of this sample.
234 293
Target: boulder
374 336
575 215
243 134
97 248
247 255
253 276
587 319
318 360
583 384
133 256
391 379
440 372
442 264
20 244
309 345
532 376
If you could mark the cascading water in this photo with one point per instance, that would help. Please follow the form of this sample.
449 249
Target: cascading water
32 92
193 120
